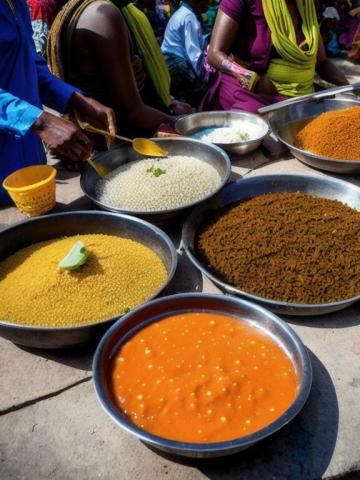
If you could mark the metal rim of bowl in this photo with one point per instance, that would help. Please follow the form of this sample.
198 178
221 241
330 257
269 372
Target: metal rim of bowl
213 447
111 208
227 145
233 290
314 155
155 229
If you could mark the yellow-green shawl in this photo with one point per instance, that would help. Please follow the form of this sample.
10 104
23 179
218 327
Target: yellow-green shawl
293 73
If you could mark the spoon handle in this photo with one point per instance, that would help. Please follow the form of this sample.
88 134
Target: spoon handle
322 94
90 128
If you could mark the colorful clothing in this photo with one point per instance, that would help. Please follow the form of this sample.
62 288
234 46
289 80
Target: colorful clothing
183 37
253 48
183 49
60 49
25 84
149 50
43 13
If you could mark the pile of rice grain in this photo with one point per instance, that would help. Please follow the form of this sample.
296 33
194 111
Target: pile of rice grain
155 185
227 135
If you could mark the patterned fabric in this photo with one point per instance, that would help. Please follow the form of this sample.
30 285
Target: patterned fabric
40 35
185 84
43 13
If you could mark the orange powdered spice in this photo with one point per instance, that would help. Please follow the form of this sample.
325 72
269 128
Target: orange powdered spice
202 377
333 135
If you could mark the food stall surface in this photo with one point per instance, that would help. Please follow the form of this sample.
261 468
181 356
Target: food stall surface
52 426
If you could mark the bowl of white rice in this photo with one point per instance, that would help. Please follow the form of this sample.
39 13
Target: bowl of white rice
236 132
157 189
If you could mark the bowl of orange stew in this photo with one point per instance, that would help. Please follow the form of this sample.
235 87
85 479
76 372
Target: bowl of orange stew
201 375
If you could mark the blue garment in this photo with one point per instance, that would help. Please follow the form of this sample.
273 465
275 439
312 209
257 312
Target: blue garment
333 46
183 37
25 85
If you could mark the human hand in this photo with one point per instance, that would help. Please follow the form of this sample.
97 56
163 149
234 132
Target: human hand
180 108
265 86
93 112
139 72
62 136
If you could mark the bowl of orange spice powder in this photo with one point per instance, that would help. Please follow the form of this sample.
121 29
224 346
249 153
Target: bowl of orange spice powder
322 134
201 375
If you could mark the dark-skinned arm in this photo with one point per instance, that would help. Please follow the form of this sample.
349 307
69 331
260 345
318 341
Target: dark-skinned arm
104 31
223 36
326 69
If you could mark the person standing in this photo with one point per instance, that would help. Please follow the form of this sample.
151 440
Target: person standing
25 86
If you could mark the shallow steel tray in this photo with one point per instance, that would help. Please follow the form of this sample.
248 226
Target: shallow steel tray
287 121
251 187
190 125
44 228
153 311
175 146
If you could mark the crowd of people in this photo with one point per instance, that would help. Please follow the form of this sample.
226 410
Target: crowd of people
135 66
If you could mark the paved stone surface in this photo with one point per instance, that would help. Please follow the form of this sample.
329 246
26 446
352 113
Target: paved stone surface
52 427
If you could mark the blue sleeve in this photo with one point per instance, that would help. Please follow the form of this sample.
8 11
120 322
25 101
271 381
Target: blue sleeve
193 44
54 93
16 115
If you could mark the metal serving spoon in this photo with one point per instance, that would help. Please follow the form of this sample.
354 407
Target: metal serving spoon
313 96
143 146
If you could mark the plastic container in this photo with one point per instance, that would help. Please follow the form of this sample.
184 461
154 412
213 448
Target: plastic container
32 189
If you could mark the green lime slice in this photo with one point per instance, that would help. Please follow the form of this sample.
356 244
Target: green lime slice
75 258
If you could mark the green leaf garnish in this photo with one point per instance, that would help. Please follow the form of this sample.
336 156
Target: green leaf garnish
75 258
244 136
156 171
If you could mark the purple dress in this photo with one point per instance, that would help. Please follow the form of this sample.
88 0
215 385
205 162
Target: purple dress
254 48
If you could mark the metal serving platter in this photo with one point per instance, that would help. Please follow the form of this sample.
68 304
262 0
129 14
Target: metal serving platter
151 312
287 122
175 146
252 187
65 224
190 125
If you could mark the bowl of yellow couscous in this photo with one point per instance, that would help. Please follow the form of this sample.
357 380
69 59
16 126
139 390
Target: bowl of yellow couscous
55 297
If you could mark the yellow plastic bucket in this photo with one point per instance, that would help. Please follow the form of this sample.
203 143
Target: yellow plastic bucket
32 189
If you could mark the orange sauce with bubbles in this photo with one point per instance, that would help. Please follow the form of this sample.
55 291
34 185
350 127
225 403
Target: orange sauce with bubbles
202 377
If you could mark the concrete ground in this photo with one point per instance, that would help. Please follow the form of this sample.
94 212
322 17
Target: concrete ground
52 427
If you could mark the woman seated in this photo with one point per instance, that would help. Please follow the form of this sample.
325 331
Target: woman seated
183 48
96 45
265 51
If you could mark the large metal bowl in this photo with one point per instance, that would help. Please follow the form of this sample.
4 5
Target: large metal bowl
175 146
252 187
287 122
190 125
151 312
65 224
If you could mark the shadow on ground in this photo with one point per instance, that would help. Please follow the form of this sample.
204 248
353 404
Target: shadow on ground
300 451
349 317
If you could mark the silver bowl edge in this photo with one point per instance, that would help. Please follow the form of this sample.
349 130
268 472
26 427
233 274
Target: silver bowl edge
251 187
112 158
68 337
163 307
280 119
190 124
